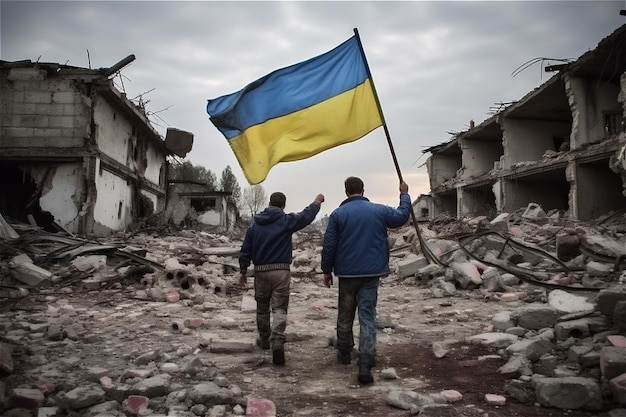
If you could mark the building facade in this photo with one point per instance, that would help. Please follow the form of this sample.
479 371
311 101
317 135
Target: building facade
75 153
562 146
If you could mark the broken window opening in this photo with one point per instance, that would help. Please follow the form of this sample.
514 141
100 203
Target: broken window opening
558 142
203 204
614 123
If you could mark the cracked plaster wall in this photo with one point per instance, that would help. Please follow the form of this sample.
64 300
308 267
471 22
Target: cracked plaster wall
589 101
50 118
479 156
442 168
63 195
527 140
113 207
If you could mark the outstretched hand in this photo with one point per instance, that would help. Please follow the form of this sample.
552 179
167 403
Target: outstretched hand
404 187
319 198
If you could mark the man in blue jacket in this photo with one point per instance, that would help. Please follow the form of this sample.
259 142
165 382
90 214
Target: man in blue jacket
356 250
268 246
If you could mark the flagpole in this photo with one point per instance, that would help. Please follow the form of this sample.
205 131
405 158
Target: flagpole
430 257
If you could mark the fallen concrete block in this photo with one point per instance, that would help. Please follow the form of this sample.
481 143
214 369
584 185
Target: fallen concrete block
535 316
612 361
577 329
609 297
410 265
22 269
569 393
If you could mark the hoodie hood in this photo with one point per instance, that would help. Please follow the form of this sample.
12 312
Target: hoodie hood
269 215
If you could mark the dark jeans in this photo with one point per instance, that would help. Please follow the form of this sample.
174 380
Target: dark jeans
361 293
271 291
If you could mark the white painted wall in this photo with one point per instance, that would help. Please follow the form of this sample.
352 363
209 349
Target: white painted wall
210 217
61 195
156 163
113 131
113 205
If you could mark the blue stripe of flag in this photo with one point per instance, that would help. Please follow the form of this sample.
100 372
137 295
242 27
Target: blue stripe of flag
290 89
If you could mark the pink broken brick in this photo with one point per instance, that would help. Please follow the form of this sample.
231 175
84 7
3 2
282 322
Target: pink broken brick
260 407
172 297
617 340
106 382
134 404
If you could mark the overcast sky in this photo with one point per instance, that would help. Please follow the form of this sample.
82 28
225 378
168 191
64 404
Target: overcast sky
436 65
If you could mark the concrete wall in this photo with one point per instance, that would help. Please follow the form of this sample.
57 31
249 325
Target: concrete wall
594 200
442 167
120 140
479 156
156 166
211 217
563 146
477 201
550 194
113 207
446 204
39 112
180 209
114 134
528 140
61 191
424 207
590 100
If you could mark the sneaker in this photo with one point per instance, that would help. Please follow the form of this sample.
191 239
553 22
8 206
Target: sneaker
365 374
263 344
343 358
278 356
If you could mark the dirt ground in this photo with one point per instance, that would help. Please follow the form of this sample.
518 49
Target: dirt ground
116 327
313 384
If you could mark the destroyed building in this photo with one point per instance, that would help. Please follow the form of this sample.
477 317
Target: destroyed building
191 201
562 146
75 153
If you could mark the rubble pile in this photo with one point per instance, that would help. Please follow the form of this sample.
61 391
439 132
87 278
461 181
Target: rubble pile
563 339
563 351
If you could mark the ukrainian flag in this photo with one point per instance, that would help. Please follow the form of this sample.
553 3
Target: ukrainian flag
298 111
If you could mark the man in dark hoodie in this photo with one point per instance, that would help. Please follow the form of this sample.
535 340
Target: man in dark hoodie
268 246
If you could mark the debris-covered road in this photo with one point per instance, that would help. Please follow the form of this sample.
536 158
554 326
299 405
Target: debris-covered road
155 324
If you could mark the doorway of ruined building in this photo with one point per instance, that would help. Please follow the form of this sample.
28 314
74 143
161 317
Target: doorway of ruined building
19 196
599 189
479 201
446 204
548 188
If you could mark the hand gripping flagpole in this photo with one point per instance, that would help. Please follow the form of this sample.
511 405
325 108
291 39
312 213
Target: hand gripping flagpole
430 257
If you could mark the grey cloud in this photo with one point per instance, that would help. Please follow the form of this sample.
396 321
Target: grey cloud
436 64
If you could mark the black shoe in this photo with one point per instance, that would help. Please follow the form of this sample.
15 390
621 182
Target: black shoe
343 358
263 344
278 356
365 374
